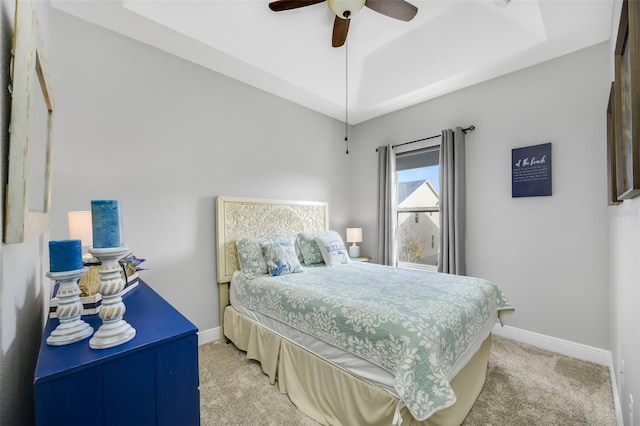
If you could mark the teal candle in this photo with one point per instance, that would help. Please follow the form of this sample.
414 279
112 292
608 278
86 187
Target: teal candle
65 255
106 221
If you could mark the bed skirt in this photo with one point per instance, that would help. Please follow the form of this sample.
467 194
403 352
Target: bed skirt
333 396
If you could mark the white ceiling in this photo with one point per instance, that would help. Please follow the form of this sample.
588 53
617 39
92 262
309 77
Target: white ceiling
449 45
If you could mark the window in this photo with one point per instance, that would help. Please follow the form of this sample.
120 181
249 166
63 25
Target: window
418 207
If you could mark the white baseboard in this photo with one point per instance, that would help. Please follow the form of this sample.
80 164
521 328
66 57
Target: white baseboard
208 336
616 396
565 347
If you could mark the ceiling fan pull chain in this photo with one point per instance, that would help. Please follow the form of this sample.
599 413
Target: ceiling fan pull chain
346 95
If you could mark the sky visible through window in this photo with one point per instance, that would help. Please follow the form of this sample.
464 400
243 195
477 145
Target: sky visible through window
431 173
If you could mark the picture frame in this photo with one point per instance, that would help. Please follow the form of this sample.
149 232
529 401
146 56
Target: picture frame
627 97
612 182
28 194
531 171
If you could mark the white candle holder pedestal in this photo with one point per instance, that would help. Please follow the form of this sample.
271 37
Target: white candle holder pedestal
114 330
71 328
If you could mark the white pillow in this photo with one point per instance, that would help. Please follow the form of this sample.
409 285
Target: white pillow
333 249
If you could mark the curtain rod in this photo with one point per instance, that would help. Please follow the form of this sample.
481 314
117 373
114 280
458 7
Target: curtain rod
468 129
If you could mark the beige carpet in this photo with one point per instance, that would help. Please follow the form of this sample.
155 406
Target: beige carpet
525 386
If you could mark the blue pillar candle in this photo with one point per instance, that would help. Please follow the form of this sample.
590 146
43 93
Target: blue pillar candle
106 223
65 255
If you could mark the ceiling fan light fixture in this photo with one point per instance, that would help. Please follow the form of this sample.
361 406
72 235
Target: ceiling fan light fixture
345 9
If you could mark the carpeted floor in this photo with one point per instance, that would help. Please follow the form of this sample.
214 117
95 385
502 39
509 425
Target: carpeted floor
525 386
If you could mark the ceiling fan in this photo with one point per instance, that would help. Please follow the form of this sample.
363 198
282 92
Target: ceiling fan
345 9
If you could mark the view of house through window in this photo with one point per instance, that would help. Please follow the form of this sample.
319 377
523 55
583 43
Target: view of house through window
418 207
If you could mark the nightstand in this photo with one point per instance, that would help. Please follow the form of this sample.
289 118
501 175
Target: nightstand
360 259
149 380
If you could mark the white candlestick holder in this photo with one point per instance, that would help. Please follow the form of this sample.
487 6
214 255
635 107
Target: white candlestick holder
114 330
71 328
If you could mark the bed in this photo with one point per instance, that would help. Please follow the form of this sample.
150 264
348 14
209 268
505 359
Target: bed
391 350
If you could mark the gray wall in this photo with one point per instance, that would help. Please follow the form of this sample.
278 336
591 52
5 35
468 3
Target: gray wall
165 136
624 269
547 253
624 229
23 285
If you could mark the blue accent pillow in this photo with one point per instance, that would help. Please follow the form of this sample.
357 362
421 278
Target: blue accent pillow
280 257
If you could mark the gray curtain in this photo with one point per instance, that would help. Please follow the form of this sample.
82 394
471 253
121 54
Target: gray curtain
451 258
386 205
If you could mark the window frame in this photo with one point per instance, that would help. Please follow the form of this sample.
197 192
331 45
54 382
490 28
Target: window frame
431 143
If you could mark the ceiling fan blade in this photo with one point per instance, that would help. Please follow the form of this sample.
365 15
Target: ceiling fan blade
398 9
280 5
340 30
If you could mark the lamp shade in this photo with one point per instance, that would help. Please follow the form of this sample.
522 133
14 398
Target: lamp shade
354 235
80 227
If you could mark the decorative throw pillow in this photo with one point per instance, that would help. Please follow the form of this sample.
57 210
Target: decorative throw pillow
287 237
250 253
311 254
250 256
280 257
333 250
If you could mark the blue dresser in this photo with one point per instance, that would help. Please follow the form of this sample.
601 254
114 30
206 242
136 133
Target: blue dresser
150 380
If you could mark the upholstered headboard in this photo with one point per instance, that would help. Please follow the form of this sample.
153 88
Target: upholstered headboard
250 217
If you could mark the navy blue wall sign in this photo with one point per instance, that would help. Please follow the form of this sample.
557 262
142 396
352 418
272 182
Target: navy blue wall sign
531 171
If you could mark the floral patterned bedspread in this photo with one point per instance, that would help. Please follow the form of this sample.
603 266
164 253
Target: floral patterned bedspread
412 323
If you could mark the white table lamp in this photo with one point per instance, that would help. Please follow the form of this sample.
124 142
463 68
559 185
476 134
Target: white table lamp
80 229
354 235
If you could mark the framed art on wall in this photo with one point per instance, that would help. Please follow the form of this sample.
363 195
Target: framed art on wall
612 185
29 179
531 171
627 97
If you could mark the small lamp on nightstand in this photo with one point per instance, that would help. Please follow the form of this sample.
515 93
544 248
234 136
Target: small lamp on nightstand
354 235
